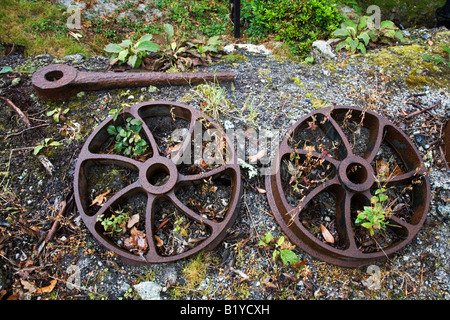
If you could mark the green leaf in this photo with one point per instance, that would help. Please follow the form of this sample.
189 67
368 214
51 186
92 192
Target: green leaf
135 122
6 69
340 45
148 46
52 112
341 33
132 61
354 44
389 33
427 57
363 23
168 29
37 149
280 241
268 237
383 197
111 130
367 225
288 256
399 36
113 48
55 144
146 37
387 24
214 41
362 48
365 37
374 199
126 43
123 55
352 31
309 60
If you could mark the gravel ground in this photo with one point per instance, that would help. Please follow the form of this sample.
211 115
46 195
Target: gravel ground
281 92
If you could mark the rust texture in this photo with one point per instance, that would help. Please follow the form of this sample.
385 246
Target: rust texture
350 189
91 155
58 82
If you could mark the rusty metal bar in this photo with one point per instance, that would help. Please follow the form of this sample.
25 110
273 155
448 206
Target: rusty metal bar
59 82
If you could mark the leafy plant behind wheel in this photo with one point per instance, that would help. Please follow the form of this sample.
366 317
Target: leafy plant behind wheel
357 36
132 54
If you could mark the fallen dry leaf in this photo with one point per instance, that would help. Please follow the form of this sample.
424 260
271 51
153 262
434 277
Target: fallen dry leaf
397 171
326 234
382 168
159 242
257 156
29 286
138 239
100 199
213 189
173 149
48 288
133 220
260 190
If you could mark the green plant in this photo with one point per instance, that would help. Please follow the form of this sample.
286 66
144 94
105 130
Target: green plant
298 23
439 56
114 223
213 100
128 140
131 53
375 216
252 171
46 143
6 69
356 36
281 249
58 113
209 17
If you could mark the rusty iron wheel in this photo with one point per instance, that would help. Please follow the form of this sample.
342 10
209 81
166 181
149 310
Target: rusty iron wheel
342 147
144 170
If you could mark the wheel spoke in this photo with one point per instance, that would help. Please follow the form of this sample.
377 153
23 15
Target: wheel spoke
125 192
149 223
148 133
113 159
191 214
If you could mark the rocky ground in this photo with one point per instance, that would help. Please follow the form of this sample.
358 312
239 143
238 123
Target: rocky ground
269 93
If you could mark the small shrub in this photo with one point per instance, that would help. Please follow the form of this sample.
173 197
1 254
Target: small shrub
128 140
375 216
298 23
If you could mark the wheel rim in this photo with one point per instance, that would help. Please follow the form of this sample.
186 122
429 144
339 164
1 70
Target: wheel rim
351 181
143 171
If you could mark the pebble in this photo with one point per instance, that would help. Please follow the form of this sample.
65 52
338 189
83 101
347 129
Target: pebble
148 290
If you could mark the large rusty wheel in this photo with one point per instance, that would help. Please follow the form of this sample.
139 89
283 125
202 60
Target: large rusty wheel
158 185
337 156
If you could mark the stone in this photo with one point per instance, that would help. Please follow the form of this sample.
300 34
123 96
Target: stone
261 49
74 58
148 290
321 50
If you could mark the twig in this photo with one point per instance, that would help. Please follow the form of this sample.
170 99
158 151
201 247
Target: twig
422 111
18 111
20 132
51 233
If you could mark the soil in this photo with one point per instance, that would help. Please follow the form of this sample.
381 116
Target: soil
239 268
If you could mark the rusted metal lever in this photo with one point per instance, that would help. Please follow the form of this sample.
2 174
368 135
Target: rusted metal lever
59 82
